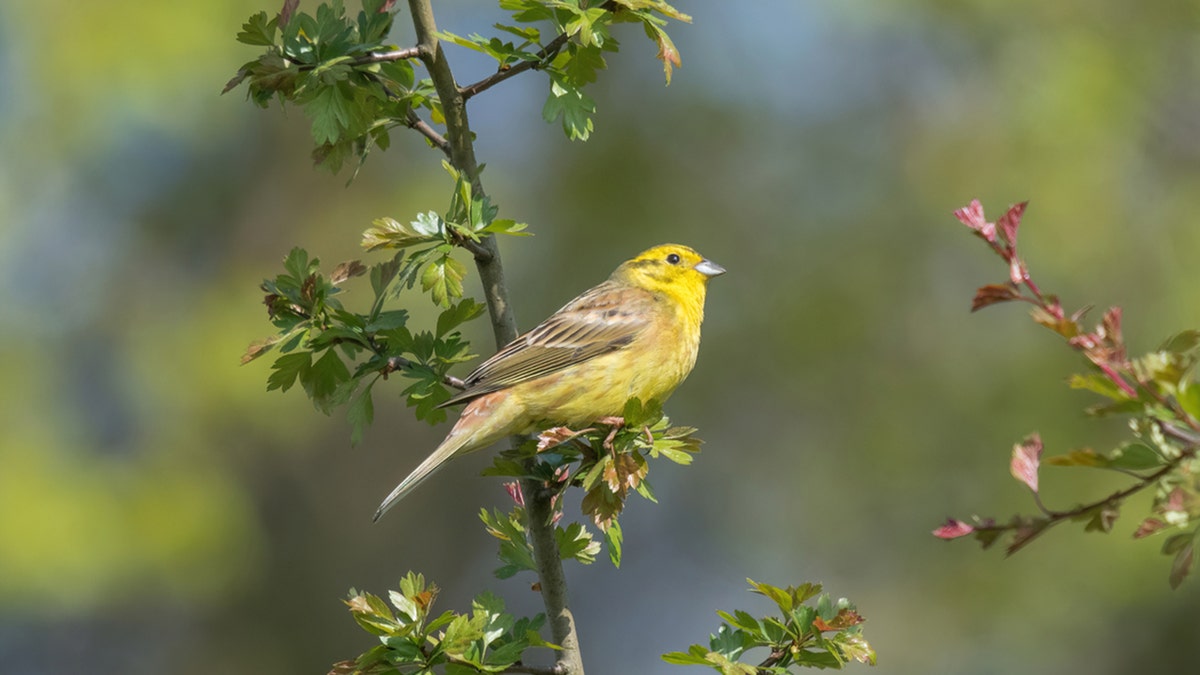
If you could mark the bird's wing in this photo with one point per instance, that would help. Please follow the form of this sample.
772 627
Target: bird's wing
606 318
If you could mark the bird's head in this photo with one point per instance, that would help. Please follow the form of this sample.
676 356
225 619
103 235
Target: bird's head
673 269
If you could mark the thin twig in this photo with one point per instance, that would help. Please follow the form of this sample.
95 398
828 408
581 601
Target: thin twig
534 670
1055 517
414 121
383 57
544 56
395 363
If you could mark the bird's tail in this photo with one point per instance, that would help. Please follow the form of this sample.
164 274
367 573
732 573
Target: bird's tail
483 422
432 463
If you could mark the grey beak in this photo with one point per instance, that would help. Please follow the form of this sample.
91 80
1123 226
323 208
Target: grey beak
709 268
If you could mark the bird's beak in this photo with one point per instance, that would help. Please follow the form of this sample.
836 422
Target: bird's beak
709 268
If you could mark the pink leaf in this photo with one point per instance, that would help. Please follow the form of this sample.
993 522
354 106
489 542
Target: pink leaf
991 294
1016 269
1025 459
1148 527
953 529
971 215
555 436
514 491
1009 222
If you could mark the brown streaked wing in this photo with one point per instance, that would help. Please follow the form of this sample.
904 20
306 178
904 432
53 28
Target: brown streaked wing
603 319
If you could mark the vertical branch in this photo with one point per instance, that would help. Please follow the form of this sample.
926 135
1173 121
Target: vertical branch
462 156
504 326
539 509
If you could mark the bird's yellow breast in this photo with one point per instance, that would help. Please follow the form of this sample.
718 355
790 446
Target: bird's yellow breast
650 367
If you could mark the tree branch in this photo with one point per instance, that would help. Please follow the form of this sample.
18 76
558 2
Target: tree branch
1054 517
414 121
400 363
534 670
504 327
543 57
383 57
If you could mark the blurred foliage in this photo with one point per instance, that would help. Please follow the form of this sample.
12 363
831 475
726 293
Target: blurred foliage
487 640
164 510
1157 392
798 638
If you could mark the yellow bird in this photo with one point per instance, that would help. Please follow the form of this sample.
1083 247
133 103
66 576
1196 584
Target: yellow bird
636 334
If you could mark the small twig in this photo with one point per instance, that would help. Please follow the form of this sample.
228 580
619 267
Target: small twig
772 659
534 670
395 363
544 56
1179 434
482 254
414 121
383 57
1056 517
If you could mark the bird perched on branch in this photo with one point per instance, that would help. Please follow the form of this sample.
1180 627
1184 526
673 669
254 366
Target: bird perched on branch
636 334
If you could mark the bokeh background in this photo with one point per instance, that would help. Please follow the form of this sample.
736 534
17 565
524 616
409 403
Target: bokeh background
160 511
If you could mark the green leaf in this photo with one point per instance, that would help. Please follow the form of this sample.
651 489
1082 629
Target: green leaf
388 320
583 63
1181 343
258 30
1188 397
287 368
457 315
404 605
527 33
515 550
572 105
614 538
323 379
506 226
391 233
298 265
1079 457
576 543
687 658
361 413
1098 383
667 53
777 595
443 278
1134 456
1181 566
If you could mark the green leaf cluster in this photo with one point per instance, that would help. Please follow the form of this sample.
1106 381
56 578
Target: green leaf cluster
470 216
609 461
355 87
412 639
337 356
826 633
573 64
336 67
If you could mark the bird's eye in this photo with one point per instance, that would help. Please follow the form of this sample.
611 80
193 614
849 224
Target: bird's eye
673 258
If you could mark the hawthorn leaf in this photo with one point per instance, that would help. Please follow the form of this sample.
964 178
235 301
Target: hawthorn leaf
953 529
992 294
1025 459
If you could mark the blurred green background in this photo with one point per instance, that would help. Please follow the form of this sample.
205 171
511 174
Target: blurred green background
160 511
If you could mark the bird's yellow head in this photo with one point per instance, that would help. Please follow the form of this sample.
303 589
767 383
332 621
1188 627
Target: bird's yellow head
673 270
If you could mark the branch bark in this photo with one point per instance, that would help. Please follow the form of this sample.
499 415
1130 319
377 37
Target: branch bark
504 328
